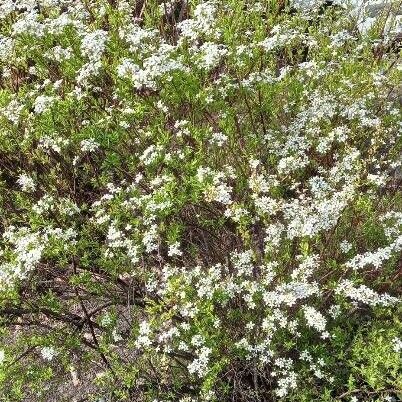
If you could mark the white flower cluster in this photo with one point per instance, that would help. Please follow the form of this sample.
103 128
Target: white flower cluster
143 339
6 47
174 250
364 294
218 138
287 382
220 179
59 53
93 44
279 38
12 111
48 353
26 182
397 345
211 54
202 22
89 145
217 190
199 366
43 103
157 65
316 320
27 251
53 143
377 258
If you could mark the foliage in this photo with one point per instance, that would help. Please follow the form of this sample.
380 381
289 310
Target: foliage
199 201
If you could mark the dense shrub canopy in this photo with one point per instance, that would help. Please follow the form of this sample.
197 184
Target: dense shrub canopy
199 201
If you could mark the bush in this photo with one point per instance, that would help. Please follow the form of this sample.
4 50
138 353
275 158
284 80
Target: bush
200 201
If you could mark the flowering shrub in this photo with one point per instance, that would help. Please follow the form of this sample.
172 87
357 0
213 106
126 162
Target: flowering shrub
200 201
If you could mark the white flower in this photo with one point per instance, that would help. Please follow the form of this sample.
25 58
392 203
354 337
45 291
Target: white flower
27 248
397 345
28 24
334 311
88 70
150 238
6 47
116 336
48 352
53 143
167 7
174 250
59 53
375 258
211 54
345 246
26 182
13 110
377 179
2 356
106 320
314 318
197 340
199 365
364 294
220 193
143 339
218 138
203 21
43 103
93 44
89 145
